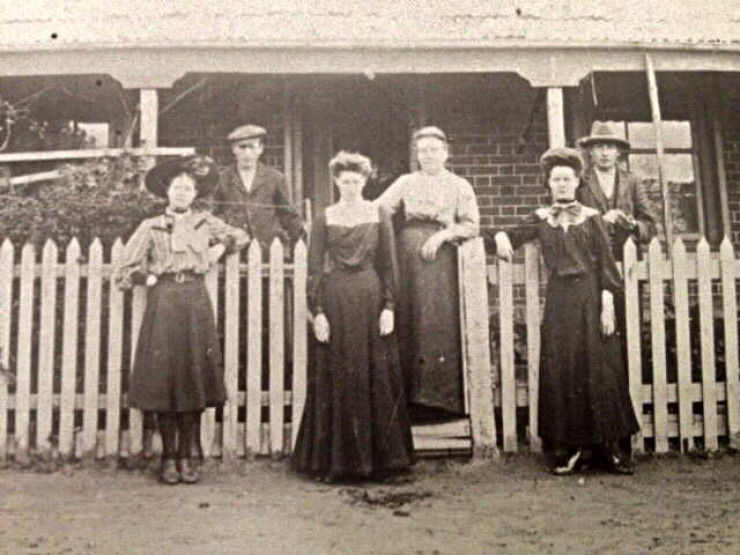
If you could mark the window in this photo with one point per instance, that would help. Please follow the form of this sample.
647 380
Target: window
680 168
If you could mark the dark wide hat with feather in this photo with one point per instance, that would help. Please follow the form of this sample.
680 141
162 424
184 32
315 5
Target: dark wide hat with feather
201 168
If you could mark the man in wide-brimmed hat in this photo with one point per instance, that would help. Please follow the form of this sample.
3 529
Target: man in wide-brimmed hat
617 194
253 196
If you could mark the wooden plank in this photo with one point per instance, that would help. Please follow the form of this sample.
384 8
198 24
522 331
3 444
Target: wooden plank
47 338
92 350
478 354
231 354
717 113
277 348
6 315
683 345
657 325
113 377
455 428
288 134
555 117
297 182
634 337
300 347
208 418
732 365
25 335
658 127
46 155
34 178
508 377
254 349
708 369
135 416
532 296
69 349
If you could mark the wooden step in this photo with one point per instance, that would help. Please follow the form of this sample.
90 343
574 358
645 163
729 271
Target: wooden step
443 439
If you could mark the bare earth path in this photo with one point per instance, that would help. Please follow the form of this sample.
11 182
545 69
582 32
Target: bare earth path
671 506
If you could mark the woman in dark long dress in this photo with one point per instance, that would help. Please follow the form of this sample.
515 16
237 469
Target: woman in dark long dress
440 210
355 423
584 395
177 369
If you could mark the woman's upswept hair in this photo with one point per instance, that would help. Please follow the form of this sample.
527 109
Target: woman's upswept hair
350 162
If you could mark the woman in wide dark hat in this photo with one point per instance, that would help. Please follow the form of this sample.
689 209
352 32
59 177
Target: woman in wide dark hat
177 368
584 401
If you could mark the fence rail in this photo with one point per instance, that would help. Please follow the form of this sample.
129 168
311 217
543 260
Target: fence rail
676 408
67 338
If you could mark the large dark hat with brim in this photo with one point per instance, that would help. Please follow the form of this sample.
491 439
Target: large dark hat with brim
201 168
561 156
603 132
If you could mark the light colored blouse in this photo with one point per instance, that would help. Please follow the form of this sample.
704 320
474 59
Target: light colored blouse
445 198
173 243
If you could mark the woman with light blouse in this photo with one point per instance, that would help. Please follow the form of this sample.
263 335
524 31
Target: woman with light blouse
440 210
177 369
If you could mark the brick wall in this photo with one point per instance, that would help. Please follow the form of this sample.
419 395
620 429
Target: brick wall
496 141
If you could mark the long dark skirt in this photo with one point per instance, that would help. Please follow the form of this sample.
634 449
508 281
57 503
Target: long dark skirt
429 321
355 421
178 365
584 394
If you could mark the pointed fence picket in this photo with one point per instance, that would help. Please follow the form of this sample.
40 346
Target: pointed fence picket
44 322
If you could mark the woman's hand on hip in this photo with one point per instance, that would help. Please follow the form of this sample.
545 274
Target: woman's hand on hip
321 328
387 322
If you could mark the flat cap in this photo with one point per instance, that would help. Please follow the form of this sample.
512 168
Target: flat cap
247 132
430 131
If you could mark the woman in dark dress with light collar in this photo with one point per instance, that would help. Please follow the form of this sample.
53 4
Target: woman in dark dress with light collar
584 397
177 369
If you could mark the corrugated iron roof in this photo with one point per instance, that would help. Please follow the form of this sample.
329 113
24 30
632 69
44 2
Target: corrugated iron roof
57 24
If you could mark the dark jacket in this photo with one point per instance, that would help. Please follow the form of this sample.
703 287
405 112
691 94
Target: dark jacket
264 212
630 197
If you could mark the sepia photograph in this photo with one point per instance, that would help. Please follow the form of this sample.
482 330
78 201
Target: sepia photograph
336 277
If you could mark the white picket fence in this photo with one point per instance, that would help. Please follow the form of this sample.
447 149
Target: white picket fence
67 337
665 409
78 399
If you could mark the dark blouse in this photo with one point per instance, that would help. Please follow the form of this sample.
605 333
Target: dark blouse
340 248
583 248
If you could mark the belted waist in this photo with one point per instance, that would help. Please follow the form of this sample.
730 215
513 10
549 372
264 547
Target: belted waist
427 224
180 277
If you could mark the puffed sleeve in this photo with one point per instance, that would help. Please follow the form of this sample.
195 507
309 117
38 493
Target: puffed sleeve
233 238
386 262
392 198
316 257
519 234
608 273
132 267
467 218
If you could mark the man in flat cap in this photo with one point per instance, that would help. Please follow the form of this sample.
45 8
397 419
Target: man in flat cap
253 196
617 194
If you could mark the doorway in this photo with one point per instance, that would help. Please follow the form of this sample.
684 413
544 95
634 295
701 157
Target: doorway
370 115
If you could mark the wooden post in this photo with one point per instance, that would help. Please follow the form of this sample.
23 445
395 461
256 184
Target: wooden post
632 314
288 134
149 119
555 117
657 120
476 348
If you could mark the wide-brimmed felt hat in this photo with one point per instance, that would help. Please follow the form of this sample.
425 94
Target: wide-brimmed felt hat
244 132
603 132
561 156
201 168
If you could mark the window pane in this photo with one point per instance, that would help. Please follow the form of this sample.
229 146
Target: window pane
676 134
681 185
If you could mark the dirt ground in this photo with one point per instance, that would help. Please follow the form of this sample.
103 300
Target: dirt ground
672 505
